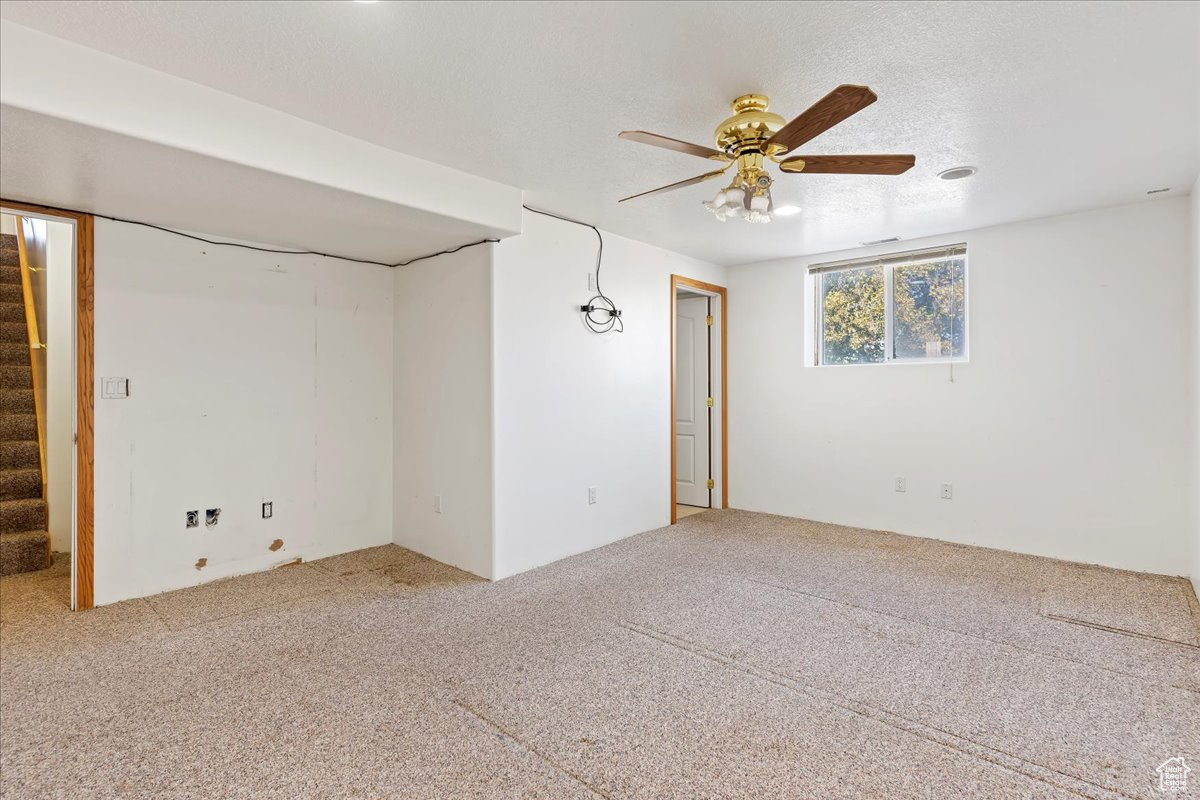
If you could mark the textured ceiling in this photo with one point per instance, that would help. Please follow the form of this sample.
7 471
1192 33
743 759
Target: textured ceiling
1062 106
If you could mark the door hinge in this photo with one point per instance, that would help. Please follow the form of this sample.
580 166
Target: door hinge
711 483
708 320
709 402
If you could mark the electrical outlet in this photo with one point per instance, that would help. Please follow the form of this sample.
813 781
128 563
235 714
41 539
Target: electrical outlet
268 509
901 485
947 491
437 504
193 519
591 495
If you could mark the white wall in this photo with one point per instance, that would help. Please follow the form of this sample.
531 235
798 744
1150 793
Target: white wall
443 408
253 377
1064 436
60 381
575 409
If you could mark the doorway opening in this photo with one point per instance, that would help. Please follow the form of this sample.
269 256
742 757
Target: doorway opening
46 456
699 429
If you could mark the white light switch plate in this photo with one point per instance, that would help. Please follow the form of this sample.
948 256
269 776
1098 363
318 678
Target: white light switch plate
114 388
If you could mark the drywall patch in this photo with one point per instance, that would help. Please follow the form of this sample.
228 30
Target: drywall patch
201 563
275 545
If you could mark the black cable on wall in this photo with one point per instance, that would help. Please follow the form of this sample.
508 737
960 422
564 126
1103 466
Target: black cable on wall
272 249
601 313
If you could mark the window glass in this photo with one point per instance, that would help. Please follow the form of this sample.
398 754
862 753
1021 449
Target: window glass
852 308
905 310
927 309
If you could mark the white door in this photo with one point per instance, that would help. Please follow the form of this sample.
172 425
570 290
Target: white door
691 402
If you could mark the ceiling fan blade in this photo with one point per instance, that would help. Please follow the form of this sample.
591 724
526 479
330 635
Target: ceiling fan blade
673 144
672 187
831 109
850 165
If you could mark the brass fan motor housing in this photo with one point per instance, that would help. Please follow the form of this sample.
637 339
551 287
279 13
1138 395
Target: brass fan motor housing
749 128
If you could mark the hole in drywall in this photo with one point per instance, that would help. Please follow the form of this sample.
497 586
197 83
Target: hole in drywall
193 519
211 517
201 563
275 545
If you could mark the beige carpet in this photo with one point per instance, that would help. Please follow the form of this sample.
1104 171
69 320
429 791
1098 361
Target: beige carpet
734 655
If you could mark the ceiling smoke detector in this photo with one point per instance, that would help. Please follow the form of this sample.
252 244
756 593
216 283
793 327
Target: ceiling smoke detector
957 173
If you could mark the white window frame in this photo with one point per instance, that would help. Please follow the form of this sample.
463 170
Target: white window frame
889 261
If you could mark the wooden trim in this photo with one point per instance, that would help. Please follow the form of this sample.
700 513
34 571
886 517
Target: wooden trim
85 412
84 555
676 282
35 343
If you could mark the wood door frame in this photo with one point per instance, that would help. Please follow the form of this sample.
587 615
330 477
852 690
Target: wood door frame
83 557
677 282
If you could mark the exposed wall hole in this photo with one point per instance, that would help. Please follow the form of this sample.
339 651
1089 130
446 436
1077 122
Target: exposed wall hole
201 563
193 519
211 516
275 545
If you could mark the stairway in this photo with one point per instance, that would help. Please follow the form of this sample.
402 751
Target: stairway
24 543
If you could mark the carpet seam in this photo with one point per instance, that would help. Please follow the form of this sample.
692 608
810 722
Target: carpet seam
845 703
978 636
528 747
246 612
1120 631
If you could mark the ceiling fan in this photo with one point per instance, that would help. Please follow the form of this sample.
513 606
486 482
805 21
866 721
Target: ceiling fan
753 134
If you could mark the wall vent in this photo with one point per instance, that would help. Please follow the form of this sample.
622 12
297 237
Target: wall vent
881 241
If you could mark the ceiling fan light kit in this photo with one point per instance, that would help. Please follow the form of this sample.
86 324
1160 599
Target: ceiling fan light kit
754 135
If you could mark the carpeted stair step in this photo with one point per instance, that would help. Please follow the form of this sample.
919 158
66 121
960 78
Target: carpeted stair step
14 333
24 551
22 515
20 455
15 377
18 427
20 484
16 401
12 312
9 252
10 274
14 353
10 293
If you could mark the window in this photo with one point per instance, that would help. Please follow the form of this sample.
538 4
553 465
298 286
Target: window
906 307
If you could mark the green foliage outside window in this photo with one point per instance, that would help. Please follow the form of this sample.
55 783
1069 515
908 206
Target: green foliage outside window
928 309
928 318
852 313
